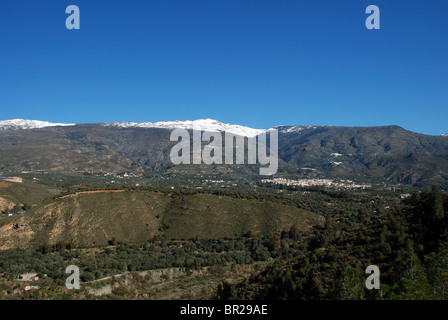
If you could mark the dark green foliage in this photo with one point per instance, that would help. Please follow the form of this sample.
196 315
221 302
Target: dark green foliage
192 254
227 291
350 284
437 271
409 245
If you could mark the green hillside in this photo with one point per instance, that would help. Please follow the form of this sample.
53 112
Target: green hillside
27 192
94 219
390 153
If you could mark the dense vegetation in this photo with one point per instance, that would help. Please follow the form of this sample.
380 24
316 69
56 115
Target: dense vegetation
406 237
119 258
409 245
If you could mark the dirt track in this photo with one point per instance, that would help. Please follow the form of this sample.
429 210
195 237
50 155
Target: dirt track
94 191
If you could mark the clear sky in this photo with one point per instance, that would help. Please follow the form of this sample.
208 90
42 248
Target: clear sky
258 63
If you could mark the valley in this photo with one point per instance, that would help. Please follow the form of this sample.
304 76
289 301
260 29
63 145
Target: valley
107 199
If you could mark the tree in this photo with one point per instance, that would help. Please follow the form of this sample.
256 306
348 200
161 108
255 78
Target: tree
294 232
227 291
349 284
113 241
438 213
437 270
408 276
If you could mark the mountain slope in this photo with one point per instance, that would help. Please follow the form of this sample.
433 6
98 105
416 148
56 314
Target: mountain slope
200 124
367 152
209 125
93 218
370 154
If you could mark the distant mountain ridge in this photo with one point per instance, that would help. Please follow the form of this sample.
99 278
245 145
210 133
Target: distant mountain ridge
206 124
381 154
200 124
16 124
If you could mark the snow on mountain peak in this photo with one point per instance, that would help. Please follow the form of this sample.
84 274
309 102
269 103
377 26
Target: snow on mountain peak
293 129
206 124
200 124
16 124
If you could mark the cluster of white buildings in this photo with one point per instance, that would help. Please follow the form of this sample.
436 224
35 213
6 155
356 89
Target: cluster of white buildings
316 182
213 181
123 176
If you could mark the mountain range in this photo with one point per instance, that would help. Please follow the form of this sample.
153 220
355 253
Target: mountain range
200 124
379 154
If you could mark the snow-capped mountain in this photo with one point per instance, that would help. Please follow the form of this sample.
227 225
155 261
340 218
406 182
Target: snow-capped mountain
293 129
201 124
16 124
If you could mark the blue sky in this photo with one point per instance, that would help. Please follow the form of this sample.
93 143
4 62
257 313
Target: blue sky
257 63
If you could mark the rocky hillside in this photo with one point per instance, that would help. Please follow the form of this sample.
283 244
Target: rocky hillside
92 219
